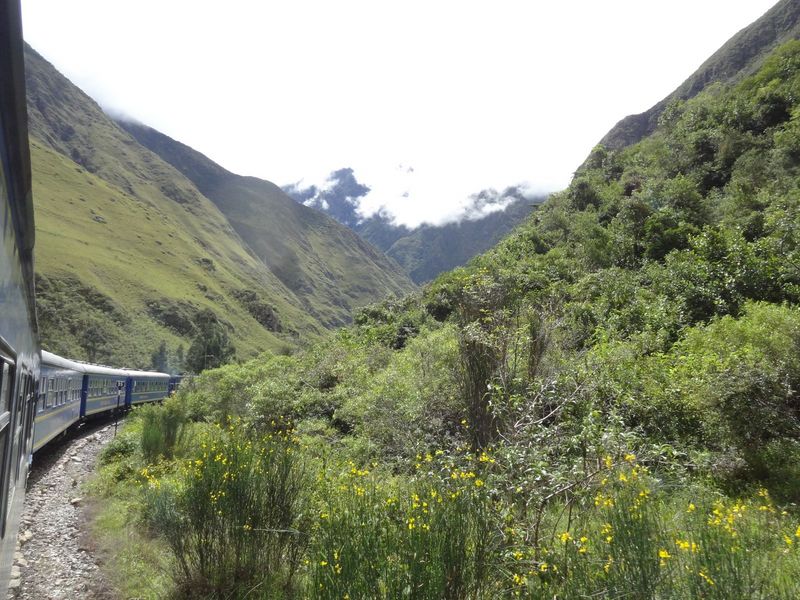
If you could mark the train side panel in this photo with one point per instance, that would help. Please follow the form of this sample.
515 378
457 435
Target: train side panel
59 403
19 344
146 386
105 390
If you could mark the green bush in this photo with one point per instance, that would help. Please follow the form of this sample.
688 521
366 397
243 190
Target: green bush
232 518
162 429
425 541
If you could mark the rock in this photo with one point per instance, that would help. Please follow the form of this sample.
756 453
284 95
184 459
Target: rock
26 536
14 583
76 501
15 572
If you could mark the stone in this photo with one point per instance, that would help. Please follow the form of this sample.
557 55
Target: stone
14 584
76 501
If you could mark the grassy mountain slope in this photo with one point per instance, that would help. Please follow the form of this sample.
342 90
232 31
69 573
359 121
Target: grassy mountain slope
128 249
330 268
742 55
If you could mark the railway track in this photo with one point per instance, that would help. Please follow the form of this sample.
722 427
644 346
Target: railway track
55 558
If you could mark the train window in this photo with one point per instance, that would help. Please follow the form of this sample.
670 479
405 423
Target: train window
4 384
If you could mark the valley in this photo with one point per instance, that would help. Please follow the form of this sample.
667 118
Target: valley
601 401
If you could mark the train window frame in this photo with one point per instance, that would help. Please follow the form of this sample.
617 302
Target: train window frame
4 377
8 385
48 398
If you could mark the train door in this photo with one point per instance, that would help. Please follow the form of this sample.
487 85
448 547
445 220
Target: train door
21 422
26 443
17 418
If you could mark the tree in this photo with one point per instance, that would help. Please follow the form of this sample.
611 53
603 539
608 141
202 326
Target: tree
211 347
159 360
179 359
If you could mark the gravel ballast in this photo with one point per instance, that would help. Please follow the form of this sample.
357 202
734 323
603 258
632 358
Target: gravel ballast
55 559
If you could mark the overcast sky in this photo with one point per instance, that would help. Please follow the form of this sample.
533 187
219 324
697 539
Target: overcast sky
428 101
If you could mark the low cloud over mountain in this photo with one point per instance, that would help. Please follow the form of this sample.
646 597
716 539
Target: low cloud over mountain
350 202
425 250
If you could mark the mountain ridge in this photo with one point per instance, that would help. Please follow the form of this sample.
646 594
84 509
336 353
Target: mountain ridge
252 205
740 56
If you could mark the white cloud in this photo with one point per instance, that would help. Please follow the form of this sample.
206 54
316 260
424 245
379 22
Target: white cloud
473 95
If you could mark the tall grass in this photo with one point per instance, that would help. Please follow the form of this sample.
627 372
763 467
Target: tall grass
633 540
232 517
244 519
421 541
162 429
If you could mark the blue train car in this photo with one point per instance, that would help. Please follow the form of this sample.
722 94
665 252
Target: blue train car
175 382
61 389
146 386
105 390
19 342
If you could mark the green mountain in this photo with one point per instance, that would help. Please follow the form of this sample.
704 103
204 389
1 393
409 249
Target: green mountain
427 250
130 251
330 268
739 57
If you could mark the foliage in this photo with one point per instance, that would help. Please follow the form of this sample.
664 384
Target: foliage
425 540
231 515
211 347
619 374
162 429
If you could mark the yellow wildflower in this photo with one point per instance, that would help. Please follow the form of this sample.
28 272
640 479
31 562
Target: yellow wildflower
705 577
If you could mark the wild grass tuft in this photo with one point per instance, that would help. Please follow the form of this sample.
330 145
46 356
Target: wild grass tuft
232 516
163 429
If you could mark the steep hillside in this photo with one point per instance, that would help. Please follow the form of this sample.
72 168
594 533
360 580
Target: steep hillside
329 268
428 250
742 55
128 250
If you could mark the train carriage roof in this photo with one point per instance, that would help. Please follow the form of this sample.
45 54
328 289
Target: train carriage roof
147 374
53 360
101 370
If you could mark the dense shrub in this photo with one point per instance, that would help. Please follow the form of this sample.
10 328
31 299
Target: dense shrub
162 429
231 516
